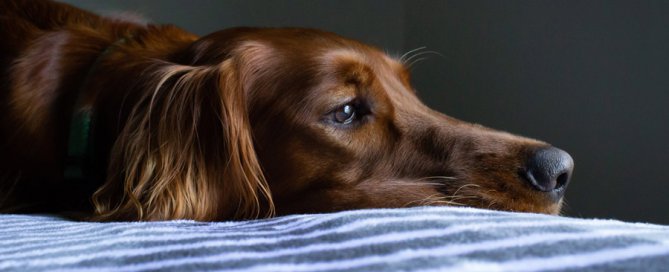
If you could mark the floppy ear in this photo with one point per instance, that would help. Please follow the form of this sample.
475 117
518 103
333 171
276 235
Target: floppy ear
186 152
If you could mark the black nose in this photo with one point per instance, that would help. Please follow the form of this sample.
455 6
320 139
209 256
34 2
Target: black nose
549 170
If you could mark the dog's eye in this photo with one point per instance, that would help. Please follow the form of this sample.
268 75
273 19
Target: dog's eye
345 114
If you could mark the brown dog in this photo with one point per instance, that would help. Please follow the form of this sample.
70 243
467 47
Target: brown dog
152 123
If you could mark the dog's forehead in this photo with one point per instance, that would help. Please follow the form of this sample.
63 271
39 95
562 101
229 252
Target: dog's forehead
365 66
363 56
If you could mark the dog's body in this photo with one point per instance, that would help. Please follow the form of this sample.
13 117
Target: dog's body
237 124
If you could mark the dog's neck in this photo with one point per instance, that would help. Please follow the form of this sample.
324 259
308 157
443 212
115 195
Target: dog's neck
80 148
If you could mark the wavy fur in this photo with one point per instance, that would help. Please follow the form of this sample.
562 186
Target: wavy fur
201 128
186 152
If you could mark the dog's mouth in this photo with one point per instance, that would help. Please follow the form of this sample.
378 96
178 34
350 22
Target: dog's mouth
505 197
487 201
522 205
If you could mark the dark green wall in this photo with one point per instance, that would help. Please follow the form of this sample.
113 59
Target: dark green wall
370 21
591 77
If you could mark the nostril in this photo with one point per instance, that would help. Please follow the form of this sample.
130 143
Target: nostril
562 180
548 169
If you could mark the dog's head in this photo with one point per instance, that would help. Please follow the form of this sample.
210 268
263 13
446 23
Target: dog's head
307 121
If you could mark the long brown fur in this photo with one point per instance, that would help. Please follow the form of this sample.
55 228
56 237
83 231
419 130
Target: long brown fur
234 125
181 165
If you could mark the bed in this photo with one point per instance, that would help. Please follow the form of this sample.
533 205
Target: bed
409 239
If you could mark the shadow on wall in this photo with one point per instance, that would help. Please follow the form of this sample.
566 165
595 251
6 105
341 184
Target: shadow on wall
590 78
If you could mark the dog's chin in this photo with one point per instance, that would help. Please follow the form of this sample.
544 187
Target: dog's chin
552 208
515 200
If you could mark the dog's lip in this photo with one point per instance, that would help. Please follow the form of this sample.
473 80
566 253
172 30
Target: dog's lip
520 201
556 194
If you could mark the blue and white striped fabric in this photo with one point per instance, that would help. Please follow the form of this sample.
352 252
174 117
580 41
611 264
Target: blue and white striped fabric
411 239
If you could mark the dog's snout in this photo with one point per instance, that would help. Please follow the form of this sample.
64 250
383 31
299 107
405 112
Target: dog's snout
549 170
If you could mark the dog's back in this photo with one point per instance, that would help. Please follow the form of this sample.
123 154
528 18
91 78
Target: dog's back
46 57
29 30
22 20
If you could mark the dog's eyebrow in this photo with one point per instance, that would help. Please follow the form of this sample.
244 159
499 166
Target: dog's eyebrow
350 66
400 70
364 58
342 55
371 67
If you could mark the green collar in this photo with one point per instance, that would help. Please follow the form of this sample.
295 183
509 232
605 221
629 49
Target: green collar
79 146
79 164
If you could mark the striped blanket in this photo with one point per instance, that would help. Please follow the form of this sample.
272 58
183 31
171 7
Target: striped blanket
411 239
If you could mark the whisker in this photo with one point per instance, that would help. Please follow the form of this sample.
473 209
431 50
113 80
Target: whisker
438 177
421 54
464 186
450 203
415 183
564 208
461 197
455 199
415 61
421 202
409 52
